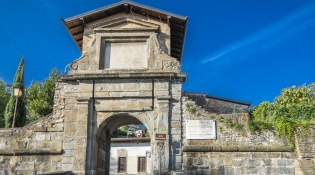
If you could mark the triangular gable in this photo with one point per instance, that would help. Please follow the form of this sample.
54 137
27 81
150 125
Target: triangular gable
125 23
75 25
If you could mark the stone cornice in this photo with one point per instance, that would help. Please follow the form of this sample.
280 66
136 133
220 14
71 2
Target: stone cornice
169 75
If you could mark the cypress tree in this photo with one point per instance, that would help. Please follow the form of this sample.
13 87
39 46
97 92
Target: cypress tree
20 117
4 98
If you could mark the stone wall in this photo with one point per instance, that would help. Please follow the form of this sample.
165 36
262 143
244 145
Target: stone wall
236 150
37 146
305 144
218 105
236 163
239 151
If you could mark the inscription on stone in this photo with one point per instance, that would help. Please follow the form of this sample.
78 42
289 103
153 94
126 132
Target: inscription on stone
200 129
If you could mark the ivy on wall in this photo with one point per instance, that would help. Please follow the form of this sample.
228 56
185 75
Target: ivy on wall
291 112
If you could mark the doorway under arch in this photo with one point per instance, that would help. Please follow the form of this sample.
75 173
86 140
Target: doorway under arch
103 139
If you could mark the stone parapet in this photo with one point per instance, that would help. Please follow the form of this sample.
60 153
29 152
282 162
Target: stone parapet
197 148
44 151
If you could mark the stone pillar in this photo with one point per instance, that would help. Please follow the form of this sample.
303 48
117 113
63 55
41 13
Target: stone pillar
176 126
162 126
305 148
70 127
81 135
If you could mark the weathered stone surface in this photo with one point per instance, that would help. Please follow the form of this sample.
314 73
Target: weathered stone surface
95 98
217 105
238 151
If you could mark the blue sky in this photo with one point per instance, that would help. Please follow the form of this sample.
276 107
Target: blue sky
244 50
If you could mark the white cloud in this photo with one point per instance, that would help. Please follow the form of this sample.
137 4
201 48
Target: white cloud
268 37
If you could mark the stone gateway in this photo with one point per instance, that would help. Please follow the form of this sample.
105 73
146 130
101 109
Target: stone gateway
130 73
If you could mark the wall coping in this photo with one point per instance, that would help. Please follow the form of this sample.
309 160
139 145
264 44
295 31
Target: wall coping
196 148
44 151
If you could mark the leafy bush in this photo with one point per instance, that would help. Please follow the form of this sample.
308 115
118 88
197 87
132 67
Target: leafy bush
292 111
40 97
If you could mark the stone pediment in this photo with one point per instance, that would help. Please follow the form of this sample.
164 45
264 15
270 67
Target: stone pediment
125 24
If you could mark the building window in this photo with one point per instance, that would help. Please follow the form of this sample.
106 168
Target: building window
122 164
142 164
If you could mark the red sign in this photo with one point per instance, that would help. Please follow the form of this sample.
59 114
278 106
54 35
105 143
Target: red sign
160 136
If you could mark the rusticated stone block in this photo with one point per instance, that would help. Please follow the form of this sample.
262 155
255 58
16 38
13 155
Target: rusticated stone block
239 162
22 171
253 162
175 131
176 116
161 85
175 124
67 166
6 151
130 86
147 93
161 93
275 170
70 116
39 128
281 149
145 103
50 144
289 170
68 160
40 136
69 145
229 148
56 136
70 101
260 155
249 170
58 128
70 129
68 153
274 155
81 141
82 129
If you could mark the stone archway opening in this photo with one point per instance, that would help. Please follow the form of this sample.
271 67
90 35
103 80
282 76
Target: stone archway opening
124 151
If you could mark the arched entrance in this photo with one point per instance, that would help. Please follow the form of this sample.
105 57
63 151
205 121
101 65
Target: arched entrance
103 140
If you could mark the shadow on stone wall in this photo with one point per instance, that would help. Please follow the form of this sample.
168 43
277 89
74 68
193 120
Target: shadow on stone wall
59 173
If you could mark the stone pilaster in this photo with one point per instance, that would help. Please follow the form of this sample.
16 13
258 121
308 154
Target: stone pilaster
81 135
176 126
162 126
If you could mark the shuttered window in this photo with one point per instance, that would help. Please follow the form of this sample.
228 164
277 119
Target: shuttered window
142 164
122 164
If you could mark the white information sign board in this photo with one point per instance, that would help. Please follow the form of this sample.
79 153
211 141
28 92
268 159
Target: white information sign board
200 129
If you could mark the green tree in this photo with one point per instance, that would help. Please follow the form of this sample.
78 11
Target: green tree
292 111
20 110
4 98
121 131
40 96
